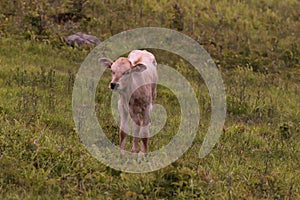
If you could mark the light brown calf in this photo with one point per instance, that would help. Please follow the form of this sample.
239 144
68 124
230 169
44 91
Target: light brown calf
134 78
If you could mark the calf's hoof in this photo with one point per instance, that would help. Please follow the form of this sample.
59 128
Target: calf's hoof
133 150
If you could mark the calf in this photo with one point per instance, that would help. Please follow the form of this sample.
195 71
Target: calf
134 78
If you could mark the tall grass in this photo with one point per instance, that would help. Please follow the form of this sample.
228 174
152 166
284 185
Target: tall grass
255 44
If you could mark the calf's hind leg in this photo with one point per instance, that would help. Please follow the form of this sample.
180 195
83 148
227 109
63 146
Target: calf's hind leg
135 130
145 128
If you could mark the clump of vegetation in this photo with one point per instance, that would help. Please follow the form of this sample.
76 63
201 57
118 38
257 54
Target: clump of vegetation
255 44
261 34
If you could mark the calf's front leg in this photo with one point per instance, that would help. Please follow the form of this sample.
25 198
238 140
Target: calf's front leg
124 129
145 138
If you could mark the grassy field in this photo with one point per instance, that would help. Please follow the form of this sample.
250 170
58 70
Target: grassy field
256 46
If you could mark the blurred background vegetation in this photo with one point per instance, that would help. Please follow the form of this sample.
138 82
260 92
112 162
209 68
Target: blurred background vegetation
261 34
256 46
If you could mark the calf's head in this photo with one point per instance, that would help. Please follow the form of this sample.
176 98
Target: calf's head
122 72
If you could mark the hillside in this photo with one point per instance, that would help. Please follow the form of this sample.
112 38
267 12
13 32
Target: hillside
256 47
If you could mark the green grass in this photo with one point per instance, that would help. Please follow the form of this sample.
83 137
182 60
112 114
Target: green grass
42 157
257 52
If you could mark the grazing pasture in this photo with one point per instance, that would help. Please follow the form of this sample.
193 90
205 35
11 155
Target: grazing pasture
256 46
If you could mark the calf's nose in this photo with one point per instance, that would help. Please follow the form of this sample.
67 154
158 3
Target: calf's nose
113 86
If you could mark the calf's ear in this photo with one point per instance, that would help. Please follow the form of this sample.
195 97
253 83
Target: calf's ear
105 62
139 68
